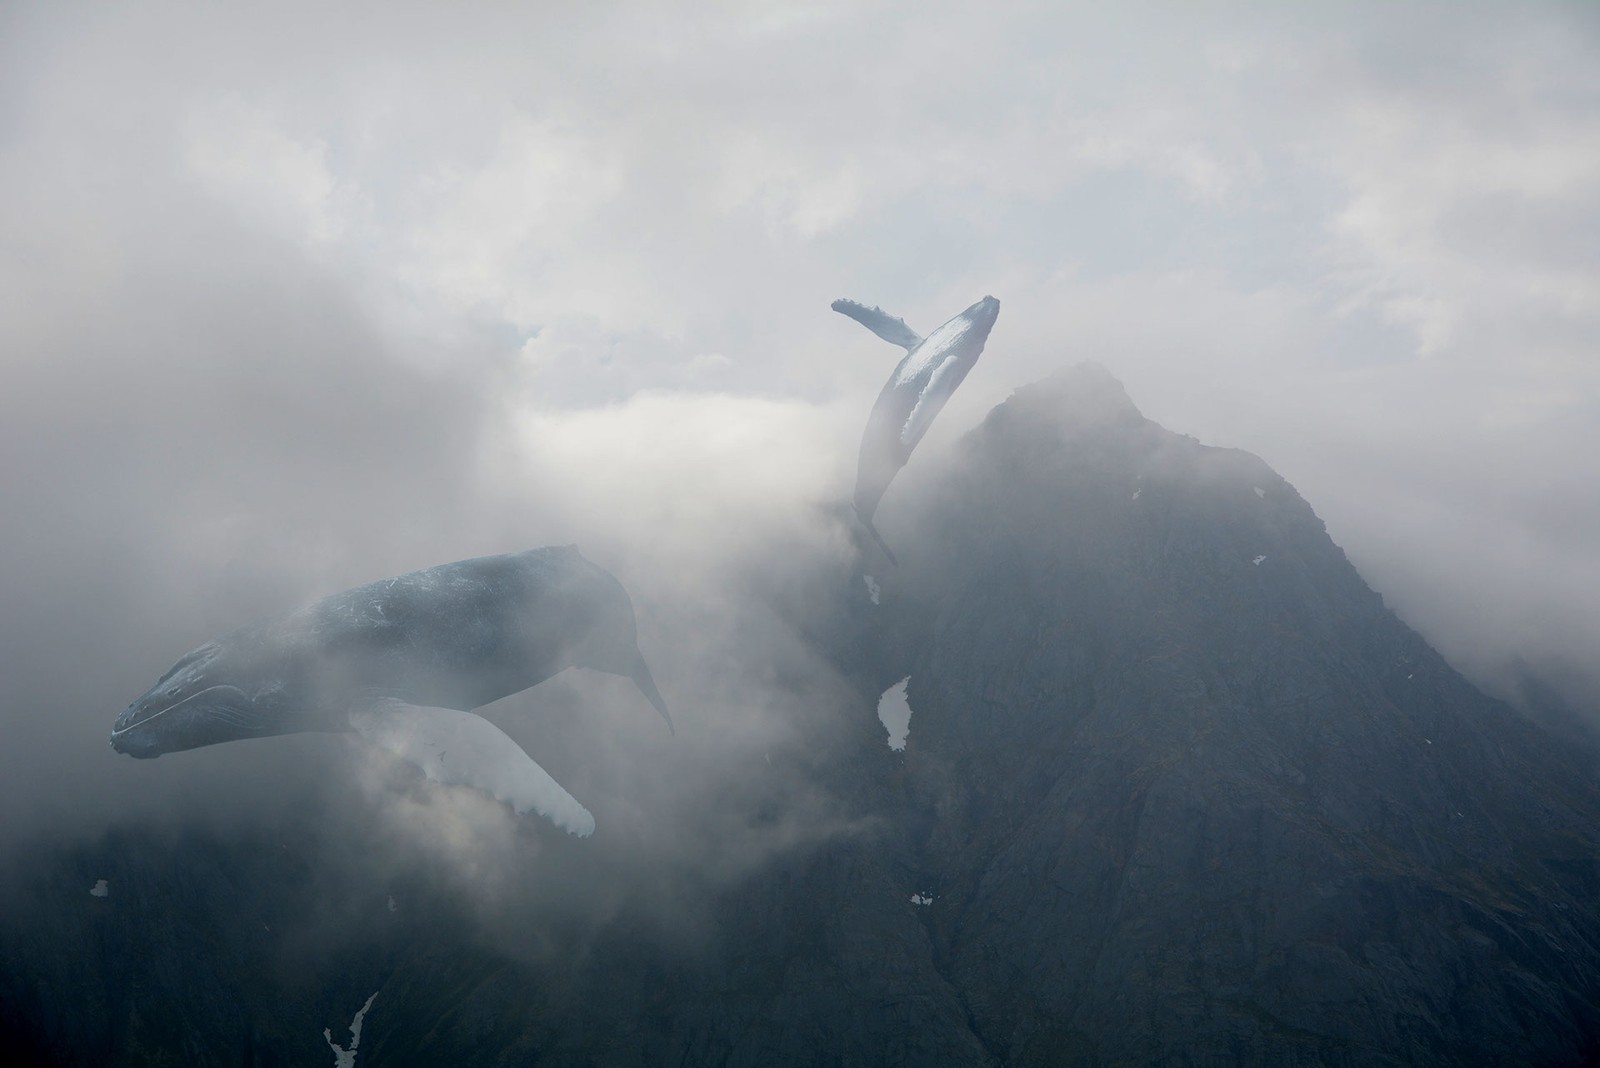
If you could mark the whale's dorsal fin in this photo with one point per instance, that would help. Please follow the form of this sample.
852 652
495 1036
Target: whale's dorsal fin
895 331
459 747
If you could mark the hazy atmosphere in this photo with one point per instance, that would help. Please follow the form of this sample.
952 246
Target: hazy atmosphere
292 300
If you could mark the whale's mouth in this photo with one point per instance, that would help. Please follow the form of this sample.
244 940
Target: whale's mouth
146 729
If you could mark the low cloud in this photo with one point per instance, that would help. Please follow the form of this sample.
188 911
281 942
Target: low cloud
293 301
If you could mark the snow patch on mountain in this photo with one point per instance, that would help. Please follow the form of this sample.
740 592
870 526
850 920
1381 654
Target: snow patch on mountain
895 714
342 1057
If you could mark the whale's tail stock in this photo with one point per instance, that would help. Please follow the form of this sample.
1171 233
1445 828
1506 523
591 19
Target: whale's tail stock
866 524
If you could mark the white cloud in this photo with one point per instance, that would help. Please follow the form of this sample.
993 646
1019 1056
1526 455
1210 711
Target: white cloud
490 236
1459 232
700 472
242 155
1362 247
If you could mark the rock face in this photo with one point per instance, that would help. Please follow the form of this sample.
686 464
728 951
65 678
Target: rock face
1178 790
1200 798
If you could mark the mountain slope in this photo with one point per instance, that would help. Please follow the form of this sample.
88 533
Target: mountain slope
1200 797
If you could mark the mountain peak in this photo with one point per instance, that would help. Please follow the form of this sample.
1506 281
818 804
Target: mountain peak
1170 743
1079 398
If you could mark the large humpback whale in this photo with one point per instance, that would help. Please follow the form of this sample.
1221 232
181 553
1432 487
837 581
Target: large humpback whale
403 662
916 392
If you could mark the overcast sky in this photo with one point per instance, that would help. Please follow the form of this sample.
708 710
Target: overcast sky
292 299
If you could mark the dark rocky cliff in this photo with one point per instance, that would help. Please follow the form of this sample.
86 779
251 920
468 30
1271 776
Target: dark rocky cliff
1202 799
1179 786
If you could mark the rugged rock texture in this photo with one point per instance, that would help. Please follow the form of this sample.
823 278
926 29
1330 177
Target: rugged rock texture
1181 789
1201 799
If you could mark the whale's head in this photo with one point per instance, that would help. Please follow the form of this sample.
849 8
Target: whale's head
973 326
193 704
961 337
981 316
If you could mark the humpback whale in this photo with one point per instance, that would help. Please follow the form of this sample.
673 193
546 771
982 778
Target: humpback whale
403 662
916 392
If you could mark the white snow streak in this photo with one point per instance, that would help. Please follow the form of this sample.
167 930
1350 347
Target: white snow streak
346 1058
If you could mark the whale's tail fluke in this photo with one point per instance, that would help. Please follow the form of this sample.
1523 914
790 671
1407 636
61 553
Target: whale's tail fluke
866 525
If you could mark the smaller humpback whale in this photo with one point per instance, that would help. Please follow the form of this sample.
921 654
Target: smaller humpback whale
916 392
403 662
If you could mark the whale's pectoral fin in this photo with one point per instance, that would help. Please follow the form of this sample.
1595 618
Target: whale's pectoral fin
943 382
895 331
456 747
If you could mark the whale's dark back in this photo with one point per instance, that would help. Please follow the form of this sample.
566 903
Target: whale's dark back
458 635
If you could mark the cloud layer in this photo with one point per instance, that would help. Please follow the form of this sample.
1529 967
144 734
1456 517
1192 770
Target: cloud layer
291 299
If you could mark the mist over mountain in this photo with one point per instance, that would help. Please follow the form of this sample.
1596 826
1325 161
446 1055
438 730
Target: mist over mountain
1179 788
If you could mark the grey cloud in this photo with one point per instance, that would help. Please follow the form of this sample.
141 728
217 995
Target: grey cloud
297 297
